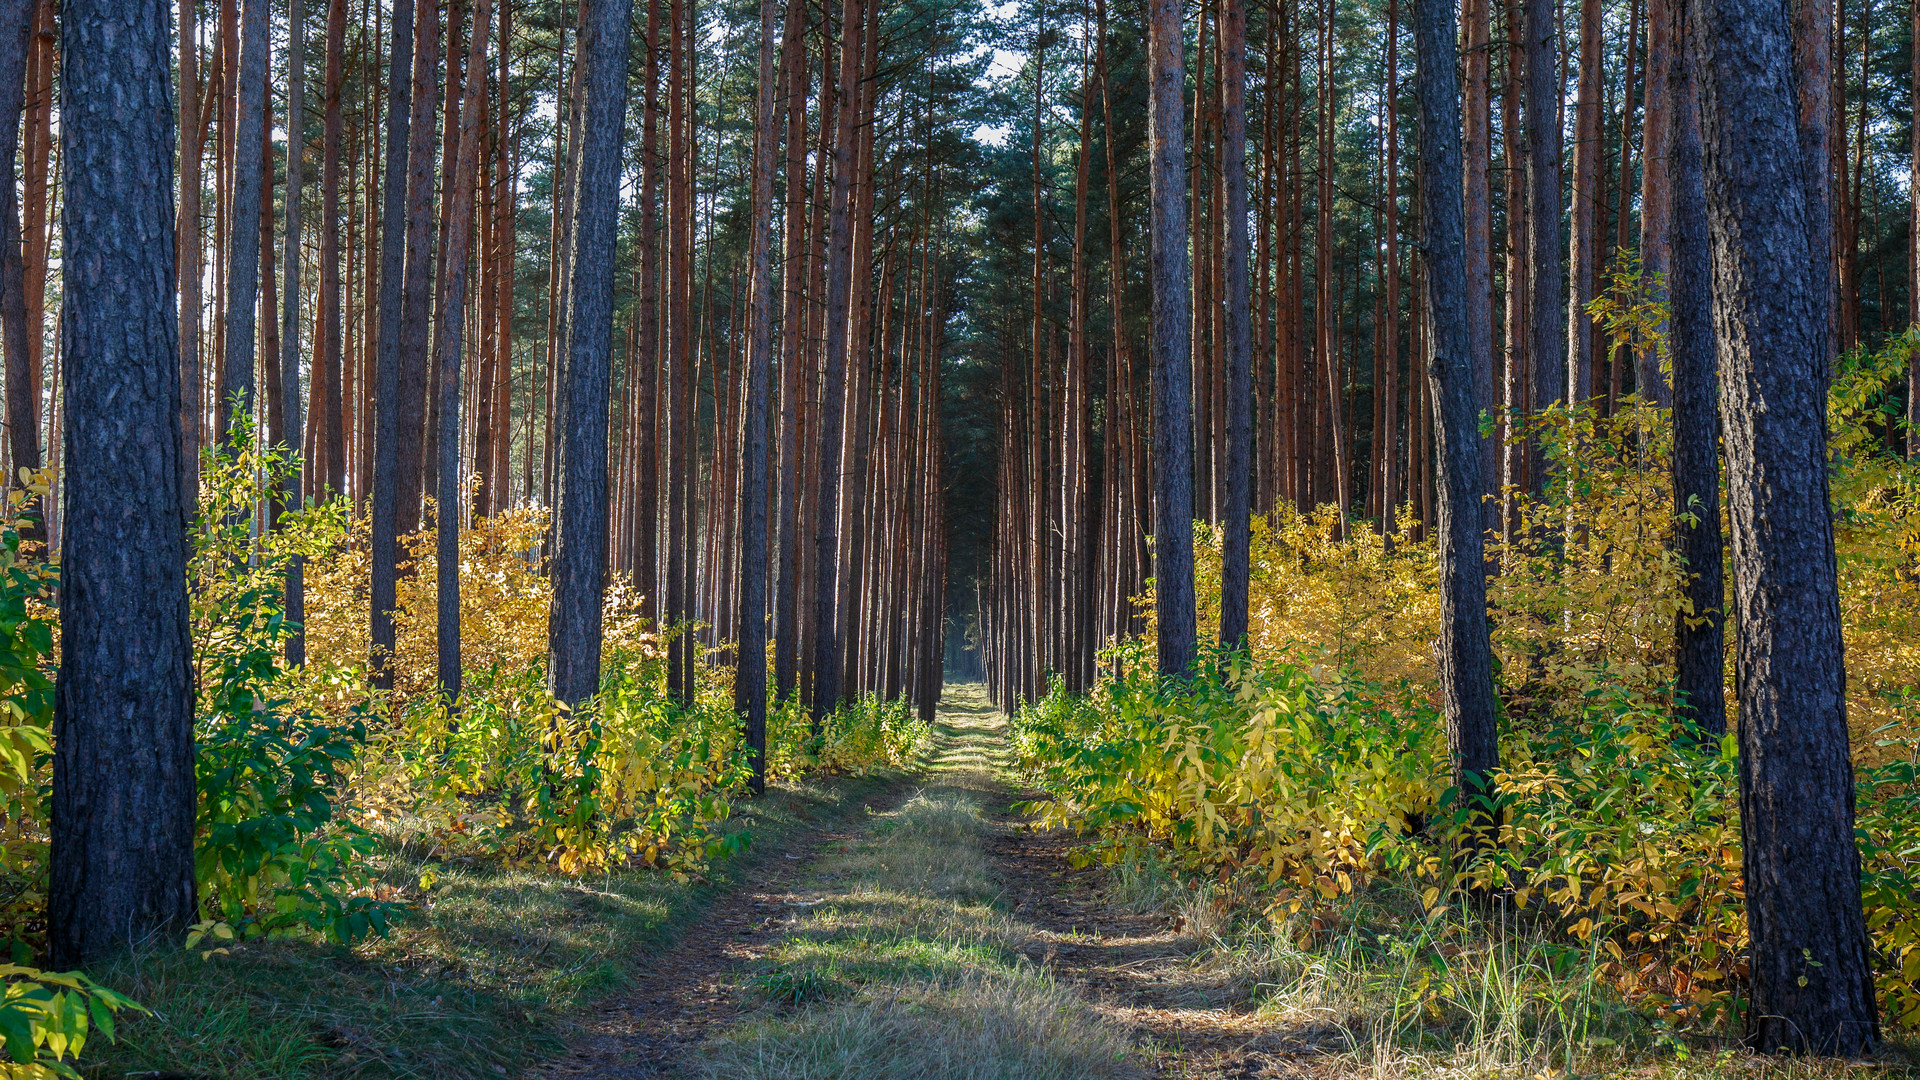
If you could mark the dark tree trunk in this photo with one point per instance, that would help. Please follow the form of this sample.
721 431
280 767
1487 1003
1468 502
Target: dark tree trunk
750 677
448 512
289 358
385 540
580 542
332 452
1172 367
121 867
1698 636
1547 287
1811 987
1464 654
1655 202
243 238
826 640
23 431
1589 148
416 290
1239 366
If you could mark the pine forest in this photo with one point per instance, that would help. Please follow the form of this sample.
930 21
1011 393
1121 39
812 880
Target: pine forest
959 539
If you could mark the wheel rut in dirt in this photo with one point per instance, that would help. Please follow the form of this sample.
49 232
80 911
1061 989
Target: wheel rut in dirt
685 992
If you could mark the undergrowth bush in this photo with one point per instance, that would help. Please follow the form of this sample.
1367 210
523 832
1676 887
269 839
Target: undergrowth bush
1313 769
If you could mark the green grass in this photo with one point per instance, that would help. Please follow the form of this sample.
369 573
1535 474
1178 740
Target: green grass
903 962
480 984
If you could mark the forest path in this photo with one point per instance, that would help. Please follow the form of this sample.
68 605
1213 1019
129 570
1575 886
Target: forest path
938 938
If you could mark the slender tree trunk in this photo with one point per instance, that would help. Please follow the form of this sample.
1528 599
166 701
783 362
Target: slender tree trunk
1172 368
1477 150
1589 148
1811 981
1547 311
121 865
330 343
1655 202
826 643
580 548
1464 654
416 313
1913 244
384 531
23 432
448 511
750 678
1239 366
243 243
1699 635
288 361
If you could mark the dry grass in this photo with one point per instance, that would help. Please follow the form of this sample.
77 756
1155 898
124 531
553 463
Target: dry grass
905 964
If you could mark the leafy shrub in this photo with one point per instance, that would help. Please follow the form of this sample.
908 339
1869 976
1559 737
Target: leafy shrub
47 1018
272 854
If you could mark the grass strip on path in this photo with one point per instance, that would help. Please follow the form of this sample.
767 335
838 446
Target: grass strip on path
900 960
479 985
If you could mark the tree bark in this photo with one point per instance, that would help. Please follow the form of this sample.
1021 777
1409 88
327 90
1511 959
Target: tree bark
1811 983
384 530
23 431
1589 148
449 513
1464 653
580 544
121 866
1239 359
1172 366
826 642
1546 288
750 677
1699 635
243 240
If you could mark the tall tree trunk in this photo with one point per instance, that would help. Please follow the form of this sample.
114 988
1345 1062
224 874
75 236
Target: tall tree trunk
448 512
243 242
826 643
1239 365
331 343
1699 635
121 865
1589 148
23 432
1655 202
1546 289
1913 244
1464 653
750 678
416 311
194 117
289 358
1811 983
385 528
1172 367
1477 151
580 548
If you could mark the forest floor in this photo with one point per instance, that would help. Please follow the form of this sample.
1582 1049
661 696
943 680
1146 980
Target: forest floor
940 938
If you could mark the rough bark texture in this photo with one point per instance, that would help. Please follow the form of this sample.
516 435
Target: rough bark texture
449 511
123 788
580 542
1699 636
1172 367
1547 288
826 641
385 542
1464 654
750 677
243 239
23 431
1239 398
1811 982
